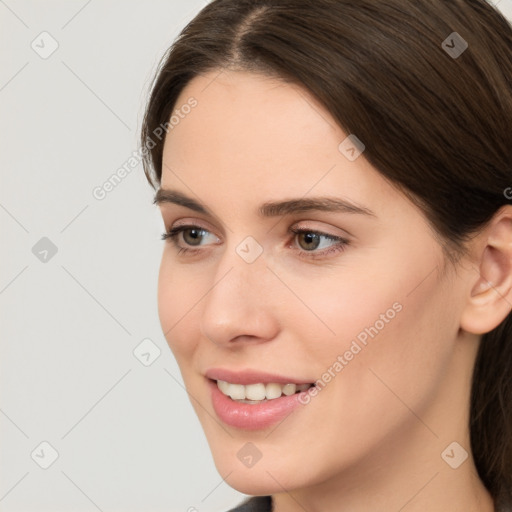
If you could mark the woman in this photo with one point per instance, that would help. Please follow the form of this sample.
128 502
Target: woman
336 286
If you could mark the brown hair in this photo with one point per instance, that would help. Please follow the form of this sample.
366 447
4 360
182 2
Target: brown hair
435 124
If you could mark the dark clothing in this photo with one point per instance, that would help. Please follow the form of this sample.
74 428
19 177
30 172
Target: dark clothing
255 504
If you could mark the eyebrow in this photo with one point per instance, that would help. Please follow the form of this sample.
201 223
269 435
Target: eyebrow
270 209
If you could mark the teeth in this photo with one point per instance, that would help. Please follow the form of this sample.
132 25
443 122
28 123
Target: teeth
289 389
255 391
258 392
223 386
236 391
273 391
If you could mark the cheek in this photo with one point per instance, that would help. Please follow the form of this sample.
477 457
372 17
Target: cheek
387 297
396 322
343 306
398 355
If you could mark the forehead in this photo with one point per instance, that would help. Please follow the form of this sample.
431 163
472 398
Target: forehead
237 87
236 108
250 123
253 138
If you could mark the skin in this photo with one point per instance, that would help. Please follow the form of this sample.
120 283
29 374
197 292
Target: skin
372 439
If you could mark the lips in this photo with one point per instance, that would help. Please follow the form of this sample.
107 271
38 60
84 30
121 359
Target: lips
253 415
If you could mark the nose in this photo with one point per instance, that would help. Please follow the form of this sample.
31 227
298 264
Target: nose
239 306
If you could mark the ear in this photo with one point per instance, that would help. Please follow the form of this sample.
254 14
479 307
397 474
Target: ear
489 298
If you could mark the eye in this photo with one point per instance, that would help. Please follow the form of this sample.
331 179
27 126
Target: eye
312 240
191 234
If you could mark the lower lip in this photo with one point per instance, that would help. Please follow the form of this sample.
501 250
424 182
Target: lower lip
252 417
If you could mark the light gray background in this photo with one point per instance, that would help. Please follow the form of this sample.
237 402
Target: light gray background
126 434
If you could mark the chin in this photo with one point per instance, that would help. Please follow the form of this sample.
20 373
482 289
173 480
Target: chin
247 486
270 475
254 482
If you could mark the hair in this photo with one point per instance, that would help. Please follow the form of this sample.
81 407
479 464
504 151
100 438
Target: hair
435 125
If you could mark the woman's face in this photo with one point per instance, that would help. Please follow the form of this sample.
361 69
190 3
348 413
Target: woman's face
367 317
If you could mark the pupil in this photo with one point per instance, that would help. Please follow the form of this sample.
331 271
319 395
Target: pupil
195 235
311 237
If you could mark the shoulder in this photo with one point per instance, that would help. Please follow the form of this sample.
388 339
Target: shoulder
255 504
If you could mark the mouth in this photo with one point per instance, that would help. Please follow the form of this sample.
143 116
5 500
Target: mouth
251 399
259 392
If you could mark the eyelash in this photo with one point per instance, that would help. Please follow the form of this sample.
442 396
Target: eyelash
173 233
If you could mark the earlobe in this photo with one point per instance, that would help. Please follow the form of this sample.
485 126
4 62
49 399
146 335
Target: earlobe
490 298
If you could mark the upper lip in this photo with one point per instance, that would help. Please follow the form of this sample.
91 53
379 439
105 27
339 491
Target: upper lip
250 376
